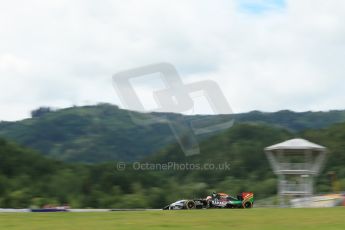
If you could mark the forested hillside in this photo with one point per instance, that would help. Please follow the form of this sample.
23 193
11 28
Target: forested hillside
29 179
102 133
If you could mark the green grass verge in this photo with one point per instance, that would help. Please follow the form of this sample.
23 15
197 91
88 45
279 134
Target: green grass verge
275 219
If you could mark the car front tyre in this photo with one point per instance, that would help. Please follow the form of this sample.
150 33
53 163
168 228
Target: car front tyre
190 204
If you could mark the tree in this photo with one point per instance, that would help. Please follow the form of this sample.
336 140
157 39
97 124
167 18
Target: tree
40 112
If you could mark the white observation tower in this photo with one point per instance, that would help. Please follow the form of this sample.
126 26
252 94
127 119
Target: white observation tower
296 162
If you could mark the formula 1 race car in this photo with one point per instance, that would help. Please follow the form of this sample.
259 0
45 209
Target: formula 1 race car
215 200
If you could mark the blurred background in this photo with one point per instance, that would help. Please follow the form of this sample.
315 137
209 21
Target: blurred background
64 129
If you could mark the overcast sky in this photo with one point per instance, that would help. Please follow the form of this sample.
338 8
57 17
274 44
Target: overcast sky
265 55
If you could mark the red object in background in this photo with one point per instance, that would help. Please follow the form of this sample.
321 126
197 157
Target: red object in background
344 201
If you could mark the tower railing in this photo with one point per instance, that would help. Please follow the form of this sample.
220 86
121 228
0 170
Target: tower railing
303 188
294 166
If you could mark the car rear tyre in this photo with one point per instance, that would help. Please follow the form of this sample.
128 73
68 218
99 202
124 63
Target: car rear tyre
248 205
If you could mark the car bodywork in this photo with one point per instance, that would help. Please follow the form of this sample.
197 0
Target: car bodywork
216 200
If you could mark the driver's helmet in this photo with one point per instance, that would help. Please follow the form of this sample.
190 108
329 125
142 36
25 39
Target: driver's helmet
214 195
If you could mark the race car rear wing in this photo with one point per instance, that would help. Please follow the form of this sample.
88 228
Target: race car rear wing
246 196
